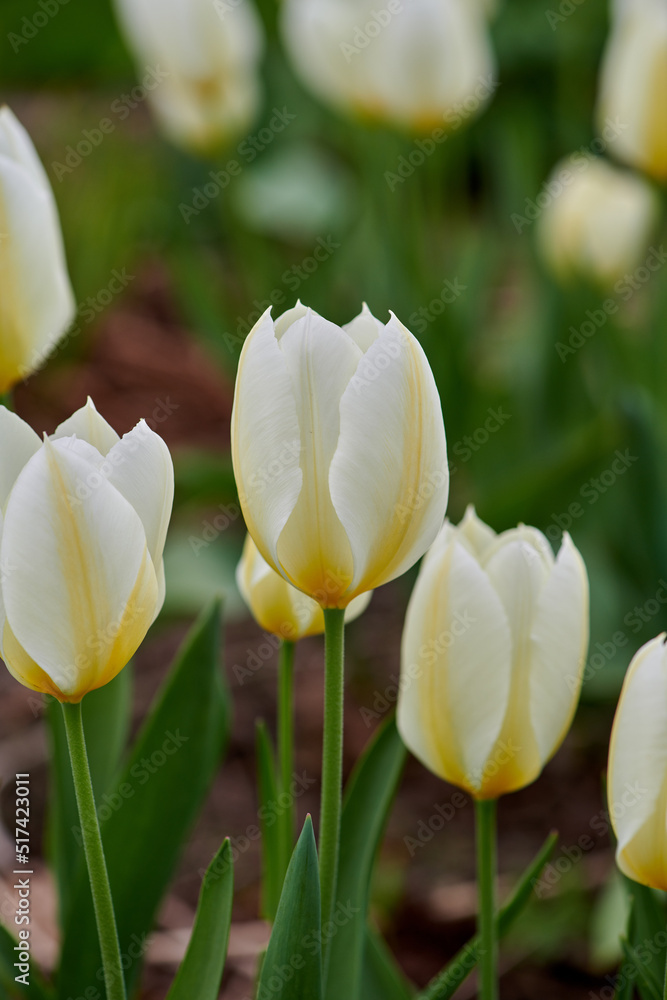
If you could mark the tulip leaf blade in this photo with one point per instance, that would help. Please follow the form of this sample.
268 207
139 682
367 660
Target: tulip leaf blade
106 722
292 966
267 782
368 798
158 796
647 923
446 983
202 968
382 978
34 989
649 987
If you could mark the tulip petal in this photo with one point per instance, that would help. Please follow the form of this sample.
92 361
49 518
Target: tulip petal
16 145
364 329
88 425
389 478
36 299
559 637
478 535
456 670
288 317
142 470
82 589
18 443
638 768
266 439
313 549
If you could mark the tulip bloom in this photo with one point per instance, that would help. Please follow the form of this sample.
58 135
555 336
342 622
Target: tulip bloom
276 605
36 299
83 520
633 84
420 64
493 653
209 54
339 451
637 784
598 225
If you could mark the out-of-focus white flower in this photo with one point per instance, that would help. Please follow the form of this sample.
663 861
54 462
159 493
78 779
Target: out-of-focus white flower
418 64
633 84
36 299
598 222
83 520
276 605
208 51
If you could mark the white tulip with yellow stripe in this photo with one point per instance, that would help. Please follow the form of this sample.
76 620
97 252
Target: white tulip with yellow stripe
276 605
633 84
599 225
36 299
83 520
493 654
339 453
637 785
418 64
208 53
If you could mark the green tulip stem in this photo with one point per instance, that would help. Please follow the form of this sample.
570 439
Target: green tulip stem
286 745
485 813
92 844
332 757
665 986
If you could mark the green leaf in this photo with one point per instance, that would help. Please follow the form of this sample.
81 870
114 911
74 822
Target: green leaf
9 988
649 986
447 982
155 801
272 875
200 974
647 927
382 979
368 798
292 968
106 720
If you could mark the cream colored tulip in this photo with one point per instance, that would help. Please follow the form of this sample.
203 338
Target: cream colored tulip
598 223
36 299
83 520
633 84
417 64
493 654
207 52
339 451
276 605
637 785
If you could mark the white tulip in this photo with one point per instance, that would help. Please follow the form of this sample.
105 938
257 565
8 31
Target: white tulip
599 222
83 520
36 299
276 605
209 51
339 451
633 84
419 64
493 654
637 786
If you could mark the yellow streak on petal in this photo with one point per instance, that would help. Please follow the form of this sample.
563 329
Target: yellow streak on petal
25 670
13 346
